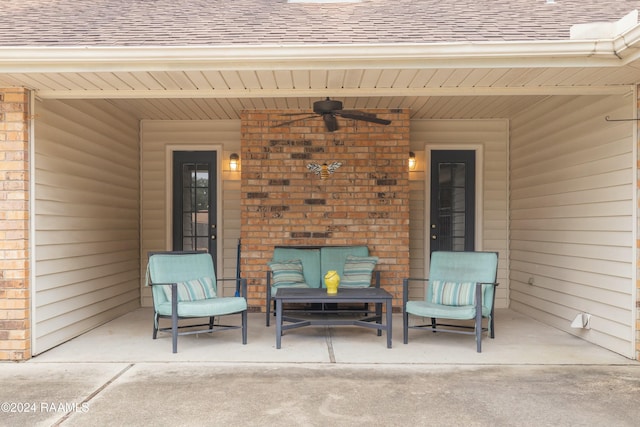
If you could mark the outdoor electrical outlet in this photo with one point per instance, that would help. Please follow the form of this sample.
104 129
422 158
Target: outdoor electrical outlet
530 281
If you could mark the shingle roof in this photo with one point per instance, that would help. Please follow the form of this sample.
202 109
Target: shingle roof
259 22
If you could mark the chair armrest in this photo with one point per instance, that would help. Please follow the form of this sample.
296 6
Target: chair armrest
405 287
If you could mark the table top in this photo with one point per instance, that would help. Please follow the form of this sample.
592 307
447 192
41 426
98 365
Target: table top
318 294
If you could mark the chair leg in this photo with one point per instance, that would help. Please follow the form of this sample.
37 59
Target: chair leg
405 326
244 327
491 325
479 331
155 325
211 319
434 322
174 330
268 312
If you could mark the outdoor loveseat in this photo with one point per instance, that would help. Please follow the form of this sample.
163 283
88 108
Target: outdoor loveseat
306 266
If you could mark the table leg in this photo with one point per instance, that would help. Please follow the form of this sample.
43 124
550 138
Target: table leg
278 322
389 322
379 317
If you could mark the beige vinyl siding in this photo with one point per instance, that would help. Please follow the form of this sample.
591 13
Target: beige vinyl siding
492 136
572 183
86 218
156 137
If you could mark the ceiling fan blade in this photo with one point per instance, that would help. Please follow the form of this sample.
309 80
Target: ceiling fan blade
364 117
330 122
293 114
288 122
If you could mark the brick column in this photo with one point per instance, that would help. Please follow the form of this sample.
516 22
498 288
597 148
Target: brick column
15 334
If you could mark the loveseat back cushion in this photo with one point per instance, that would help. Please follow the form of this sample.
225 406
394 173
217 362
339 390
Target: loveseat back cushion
310 259
357 271
334 258
460 268
192 290
175 268
287 273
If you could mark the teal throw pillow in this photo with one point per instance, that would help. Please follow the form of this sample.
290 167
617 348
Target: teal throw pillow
192 290
287 273
358 270
453 293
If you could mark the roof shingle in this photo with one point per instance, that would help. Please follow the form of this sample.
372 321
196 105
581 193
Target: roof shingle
260 22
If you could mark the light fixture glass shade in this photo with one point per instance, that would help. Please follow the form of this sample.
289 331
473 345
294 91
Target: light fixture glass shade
412 160
234 161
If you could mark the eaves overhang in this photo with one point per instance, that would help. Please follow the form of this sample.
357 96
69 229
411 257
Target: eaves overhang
619 51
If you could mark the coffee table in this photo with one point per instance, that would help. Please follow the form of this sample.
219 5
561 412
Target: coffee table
376 296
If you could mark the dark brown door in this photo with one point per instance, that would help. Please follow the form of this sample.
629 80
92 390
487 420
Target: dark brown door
453 198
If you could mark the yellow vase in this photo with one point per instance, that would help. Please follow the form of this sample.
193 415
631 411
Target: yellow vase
331 281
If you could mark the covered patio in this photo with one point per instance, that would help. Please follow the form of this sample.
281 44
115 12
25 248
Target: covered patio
93 124
519 340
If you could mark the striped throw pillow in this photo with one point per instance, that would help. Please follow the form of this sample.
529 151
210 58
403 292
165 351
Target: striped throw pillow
193 290
287 273
453 293
357 271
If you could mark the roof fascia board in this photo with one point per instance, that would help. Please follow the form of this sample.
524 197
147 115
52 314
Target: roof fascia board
583 53
355 92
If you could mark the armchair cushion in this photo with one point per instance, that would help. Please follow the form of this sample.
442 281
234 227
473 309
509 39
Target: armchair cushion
192 290
205 307
357 271
287 273
429 309
453 293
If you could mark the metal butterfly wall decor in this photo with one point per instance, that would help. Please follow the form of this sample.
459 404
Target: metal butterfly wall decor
323 170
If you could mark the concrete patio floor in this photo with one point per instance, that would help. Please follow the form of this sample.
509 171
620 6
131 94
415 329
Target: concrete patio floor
529 375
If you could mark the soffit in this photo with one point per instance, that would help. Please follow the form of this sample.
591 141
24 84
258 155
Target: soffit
491 80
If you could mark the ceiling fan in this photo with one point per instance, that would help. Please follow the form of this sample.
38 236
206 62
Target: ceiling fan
329 110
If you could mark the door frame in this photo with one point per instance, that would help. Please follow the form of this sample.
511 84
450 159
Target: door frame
168 202
479 188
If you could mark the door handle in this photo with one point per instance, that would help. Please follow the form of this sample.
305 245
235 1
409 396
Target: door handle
213 237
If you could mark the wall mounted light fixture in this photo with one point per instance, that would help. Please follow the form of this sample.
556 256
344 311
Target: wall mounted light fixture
234 162
412 160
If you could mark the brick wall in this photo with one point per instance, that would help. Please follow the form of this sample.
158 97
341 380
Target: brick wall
364 202
15 340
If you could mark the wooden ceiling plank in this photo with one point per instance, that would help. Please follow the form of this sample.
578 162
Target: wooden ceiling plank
456 78
318 79
300 79
249 79
284 79
335 79
198 80
370 78
114 80
233 80
404 78
387 78
149 82
165 80
267 79
182 80
216 80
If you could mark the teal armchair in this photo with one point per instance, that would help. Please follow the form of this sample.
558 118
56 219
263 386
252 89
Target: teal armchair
184 285
461 286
